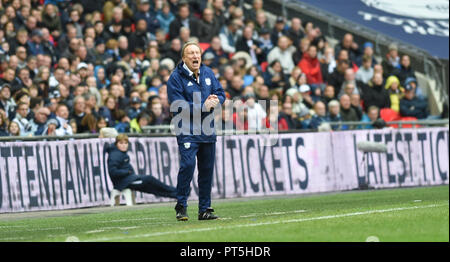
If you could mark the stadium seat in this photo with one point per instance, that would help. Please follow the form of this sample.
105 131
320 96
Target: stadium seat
127 193
204 46
389 115
408 118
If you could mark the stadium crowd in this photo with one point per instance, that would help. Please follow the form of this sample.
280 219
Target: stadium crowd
70 67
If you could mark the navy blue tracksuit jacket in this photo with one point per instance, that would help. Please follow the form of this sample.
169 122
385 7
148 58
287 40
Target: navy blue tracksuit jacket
182 87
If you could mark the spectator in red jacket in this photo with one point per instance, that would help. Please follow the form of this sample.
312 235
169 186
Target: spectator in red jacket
310 65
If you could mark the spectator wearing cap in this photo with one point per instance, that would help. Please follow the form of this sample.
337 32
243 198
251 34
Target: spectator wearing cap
50 127
351 46
391 62
307 98
412 105
39 122
208 58
375 93
413 82
82 70
165 17
367 51
278 30
135 107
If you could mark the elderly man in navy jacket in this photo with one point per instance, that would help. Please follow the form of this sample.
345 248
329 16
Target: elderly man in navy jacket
193 93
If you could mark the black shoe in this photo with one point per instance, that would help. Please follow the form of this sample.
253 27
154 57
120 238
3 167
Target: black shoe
181 213
207 215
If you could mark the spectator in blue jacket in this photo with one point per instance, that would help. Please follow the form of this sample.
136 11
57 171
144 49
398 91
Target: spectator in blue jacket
123 176
412 105
320 116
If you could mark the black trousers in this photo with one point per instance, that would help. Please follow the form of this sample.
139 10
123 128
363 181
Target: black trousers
151 185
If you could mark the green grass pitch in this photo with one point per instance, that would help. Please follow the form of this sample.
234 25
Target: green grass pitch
407 214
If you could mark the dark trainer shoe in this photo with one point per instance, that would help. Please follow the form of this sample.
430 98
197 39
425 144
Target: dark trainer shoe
207 215
181 213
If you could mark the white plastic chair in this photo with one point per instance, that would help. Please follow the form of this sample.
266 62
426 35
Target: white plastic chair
127 193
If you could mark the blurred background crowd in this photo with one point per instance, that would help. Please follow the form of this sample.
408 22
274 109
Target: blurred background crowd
69 67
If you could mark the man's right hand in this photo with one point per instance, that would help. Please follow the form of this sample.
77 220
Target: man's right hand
211 102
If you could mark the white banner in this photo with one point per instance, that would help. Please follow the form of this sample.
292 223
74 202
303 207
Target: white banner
73 174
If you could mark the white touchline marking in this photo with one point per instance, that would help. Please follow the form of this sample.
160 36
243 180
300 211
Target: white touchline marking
94 231
273 213
265 223
126 220
36 229
121 228
13 238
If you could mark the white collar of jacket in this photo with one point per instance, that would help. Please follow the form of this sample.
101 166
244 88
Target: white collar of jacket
190 72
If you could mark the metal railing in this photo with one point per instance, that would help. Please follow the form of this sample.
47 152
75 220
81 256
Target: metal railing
400 124
168 130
